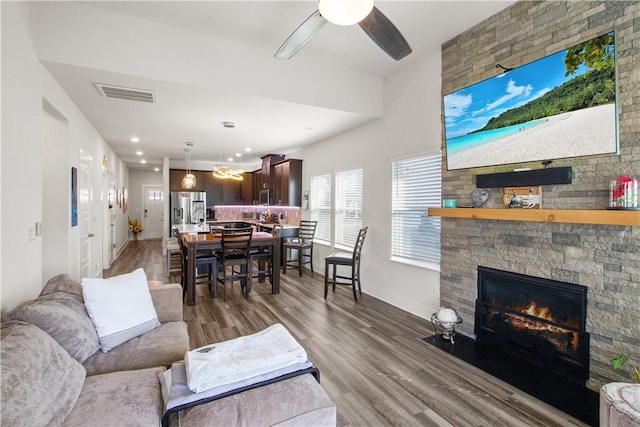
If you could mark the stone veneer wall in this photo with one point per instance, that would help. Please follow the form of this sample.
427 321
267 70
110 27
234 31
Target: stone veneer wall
604 258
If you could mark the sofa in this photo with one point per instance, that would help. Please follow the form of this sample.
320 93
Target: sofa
54 373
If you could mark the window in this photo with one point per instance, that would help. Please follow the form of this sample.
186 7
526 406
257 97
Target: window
348 211
155 195
416 187
320 206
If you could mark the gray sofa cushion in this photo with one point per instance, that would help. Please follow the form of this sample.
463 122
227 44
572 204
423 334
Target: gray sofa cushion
40 381
63 283
160 347
72 330
127 398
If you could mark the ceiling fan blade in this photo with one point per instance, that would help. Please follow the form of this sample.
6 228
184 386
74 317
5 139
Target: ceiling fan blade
301 36
382 31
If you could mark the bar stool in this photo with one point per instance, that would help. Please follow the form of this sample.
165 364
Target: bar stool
303 244
346 259
174 256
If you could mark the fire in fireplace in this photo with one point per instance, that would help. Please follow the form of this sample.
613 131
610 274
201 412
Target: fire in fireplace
540 320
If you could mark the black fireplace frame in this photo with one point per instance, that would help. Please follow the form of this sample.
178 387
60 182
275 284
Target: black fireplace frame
575 369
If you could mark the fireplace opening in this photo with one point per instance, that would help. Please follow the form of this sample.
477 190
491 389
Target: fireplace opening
539 320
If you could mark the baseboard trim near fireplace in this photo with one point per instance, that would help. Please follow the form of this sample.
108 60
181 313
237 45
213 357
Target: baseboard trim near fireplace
574 399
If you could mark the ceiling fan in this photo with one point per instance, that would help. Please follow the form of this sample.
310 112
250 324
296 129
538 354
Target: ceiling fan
348 12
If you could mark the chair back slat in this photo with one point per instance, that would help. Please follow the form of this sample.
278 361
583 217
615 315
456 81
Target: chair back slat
235 243
307 230
357 248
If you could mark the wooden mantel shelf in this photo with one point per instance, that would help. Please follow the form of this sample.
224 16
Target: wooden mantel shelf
603 217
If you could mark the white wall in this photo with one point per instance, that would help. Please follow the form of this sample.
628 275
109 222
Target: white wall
410 125
26 86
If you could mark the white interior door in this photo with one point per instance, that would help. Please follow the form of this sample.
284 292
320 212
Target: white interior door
153 211
84 217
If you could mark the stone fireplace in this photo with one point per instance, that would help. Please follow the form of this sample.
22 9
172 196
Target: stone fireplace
604 259
537 320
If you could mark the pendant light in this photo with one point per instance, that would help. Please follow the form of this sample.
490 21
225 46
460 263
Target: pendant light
189 180
224 172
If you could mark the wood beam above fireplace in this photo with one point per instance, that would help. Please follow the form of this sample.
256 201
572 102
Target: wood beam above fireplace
581 216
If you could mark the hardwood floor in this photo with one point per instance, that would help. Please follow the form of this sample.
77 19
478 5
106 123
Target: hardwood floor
372 360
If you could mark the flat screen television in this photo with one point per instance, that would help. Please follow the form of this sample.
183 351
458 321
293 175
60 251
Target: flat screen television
560 106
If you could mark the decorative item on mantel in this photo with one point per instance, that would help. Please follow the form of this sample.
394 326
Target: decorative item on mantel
523 197
135 227
480 196
444 323
623 193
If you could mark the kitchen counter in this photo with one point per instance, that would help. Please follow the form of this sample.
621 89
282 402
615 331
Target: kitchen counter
252 222
192 228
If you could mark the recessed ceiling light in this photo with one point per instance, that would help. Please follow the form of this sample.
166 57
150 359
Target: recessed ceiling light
143 161
248 149
238 154
139 153
156 169
135 139
230 159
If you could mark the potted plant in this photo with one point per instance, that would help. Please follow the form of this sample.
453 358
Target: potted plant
619 361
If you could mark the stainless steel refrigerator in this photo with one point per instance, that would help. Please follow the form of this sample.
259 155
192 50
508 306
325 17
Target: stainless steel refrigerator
188 207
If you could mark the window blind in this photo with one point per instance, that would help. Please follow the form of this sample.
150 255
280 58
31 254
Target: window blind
348 211
320 206
416 187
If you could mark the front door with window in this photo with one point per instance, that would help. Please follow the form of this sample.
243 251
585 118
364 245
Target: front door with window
153 206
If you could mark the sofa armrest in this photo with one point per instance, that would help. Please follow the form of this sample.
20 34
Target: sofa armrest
167 299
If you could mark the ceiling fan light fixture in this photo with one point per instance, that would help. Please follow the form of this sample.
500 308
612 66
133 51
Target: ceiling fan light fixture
345 12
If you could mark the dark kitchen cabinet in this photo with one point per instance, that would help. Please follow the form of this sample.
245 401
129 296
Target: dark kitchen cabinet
175 180
248 191
222 191
213 187
262 177
286 182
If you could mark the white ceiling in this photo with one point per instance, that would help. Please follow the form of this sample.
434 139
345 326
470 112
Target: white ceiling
212 61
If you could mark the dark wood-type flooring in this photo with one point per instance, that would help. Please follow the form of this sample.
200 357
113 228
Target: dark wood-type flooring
373 362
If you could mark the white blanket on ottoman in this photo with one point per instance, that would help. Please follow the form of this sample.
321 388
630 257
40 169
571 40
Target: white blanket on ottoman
241 358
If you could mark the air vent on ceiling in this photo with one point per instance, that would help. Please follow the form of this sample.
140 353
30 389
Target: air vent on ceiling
119 92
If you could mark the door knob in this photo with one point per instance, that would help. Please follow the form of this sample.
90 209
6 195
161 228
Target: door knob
91 235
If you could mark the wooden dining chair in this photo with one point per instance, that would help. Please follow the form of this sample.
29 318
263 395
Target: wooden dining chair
234 259
203 259
303 244
345 259
262 257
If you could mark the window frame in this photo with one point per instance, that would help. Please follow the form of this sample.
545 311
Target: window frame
399 249
346 239
313 201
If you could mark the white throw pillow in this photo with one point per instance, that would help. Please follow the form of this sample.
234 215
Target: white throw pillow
120 307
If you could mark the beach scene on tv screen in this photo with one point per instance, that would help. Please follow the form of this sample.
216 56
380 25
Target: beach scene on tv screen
560 106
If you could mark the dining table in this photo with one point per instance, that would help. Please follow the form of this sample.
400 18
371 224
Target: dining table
213 241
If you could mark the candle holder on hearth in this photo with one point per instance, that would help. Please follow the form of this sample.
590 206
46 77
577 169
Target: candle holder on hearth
444 323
